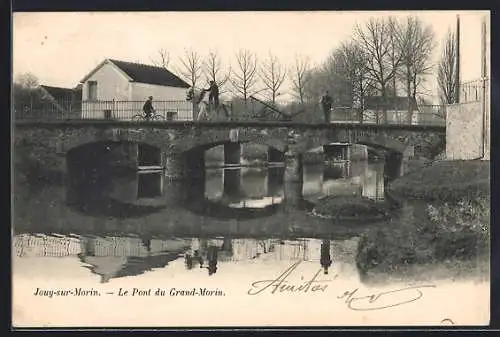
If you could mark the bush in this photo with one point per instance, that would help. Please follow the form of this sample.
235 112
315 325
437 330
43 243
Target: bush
446 231
349 207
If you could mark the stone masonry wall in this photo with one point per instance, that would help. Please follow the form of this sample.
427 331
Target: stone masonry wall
464 131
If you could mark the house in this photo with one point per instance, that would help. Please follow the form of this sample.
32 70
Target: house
66 101
400 109
118 89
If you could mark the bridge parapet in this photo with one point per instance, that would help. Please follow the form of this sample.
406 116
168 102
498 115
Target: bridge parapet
55 139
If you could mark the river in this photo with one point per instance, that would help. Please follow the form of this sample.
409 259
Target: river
235 224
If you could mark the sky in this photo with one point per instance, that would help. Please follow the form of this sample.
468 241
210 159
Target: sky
61 48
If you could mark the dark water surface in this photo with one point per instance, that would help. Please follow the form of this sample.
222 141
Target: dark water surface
120 218
108 209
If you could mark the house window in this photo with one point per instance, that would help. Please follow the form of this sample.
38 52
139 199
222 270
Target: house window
92 90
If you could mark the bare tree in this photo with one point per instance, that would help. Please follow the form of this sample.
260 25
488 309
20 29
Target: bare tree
383 58
162 59
272 74
447 81
299 76
416 43
191 67
213 70
354 64
317 82
27 81
338 82
244 76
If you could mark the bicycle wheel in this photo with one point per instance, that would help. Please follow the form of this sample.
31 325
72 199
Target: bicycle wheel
157 118
138 118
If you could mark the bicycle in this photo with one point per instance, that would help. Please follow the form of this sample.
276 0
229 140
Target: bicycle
143 117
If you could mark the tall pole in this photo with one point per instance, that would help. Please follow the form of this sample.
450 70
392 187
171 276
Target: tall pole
483 86
457 63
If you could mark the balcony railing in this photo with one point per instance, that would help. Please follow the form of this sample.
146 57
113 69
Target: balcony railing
472 91
238 112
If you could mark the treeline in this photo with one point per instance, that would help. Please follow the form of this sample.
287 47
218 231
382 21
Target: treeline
386 56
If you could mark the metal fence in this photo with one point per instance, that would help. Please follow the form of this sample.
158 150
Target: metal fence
113 110
128 110
253 110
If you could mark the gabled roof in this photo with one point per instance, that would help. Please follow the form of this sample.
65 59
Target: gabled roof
109 267
59 93
398 102
143 73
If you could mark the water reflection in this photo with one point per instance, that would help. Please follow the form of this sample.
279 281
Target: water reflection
105 181
118 256
113 179
360 178
233 214
245 187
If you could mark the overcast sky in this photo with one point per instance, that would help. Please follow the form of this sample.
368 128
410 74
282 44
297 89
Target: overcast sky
61 48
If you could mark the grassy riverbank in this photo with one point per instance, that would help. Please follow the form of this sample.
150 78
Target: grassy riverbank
445 180
445 219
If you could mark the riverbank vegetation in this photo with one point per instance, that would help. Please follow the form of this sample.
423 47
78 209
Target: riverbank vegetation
350 207
445 219
441 180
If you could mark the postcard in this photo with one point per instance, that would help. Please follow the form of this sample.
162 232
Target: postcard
257 169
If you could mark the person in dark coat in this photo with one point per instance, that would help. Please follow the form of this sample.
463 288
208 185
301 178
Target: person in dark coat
212 260
326 104
148 107
325 258
197 257
188 260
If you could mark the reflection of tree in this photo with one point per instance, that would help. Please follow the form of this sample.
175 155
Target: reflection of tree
227 245
267 246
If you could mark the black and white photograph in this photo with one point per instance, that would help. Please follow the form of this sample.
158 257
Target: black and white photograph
250 169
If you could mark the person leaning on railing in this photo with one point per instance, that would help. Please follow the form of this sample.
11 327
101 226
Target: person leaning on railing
148 108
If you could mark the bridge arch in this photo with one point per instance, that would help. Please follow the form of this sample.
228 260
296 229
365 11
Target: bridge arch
158 138
209 138
385 143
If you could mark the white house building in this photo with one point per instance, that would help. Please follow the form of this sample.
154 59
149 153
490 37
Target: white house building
118 89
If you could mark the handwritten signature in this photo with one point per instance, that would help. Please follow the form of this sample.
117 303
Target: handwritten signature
383 299
447 321
281 284
354 301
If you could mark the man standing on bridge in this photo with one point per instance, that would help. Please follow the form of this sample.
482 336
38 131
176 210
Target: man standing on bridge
326 103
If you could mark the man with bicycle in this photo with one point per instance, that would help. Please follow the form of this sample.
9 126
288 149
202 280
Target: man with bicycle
148 108
213 96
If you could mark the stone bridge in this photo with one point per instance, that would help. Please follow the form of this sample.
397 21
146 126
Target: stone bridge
182 144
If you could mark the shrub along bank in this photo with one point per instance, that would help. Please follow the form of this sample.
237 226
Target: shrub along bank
445 218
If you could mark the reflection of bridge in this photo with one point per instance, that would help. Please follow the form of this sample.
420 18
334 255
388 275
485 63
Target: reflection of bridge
181 145
122 256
